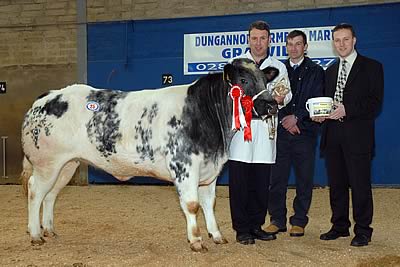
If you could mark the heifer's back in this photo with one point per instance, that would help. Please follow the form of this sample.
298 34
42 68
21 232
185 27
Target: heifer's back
126 134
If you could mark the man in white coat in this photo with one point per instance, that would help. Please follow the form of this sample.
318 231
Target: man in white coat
250 162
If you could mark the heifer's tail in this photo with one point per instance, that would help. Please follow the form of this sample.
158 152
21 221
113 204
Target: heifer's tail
27 170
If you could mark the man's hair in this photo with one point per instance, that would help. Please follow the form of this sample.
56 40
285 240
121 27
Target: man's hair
344 26
296 33
259 25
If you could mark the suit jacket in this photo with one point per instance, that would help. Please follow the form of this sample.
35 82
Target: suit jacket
362 99
310 84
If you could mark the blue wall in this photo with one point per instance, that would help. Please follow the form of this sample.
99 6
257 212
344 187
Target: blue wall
132 55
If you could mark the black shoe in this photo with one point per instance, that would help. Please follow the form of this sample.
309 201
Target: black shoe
245 238
262 235
333 234
360 240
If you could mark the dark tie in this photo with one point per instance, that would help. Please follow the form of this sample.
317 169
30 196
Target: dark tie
295 66
341 82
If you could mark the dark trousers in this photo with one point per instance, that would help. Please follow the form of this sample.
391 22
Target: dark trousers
297 151
248 194
347 169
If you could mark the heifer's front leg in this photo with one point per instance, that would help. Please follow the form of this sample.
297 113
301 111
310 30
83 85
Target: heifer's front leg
207 202
188 196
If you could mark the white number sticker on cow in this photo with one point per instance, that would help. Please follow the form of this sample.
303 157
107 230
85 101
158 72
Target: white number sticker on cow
93 106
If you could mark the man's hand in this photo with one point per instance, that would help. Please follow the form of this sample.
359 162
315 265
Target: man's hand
319 119
289 122
339 112
279 99
294 130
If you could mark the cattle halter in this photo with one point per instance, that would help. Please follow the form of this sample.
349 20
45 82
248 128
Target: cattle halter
255 97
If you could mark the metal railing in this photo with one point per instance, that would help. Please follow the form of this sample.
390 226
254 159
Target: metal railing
4 150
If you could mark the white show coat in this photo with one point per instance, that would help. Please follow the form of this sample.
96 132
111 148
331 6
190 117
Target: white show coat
261 149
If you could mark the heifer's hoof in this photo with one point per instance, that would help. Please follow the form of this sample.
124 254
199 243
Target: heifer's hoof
221 240
198 247
38 241
49 233
218 239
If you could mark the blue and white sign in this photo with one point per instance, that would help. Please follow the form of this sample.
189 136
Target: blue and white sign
208 52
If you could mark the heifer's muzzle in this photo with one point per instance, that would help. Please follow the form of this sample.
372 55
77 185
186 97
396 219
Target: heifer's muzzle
264 108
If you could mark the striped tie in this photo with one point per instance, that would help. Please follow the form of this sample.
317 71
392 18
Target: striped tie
341 83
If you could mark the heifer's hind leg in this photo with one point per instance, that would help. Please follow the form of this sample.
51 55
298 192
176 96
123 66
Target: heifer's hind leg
40 183
207 202
48 203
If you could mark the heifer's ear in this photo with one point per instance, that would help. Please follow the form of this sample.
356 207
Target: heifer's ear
228 72
271 73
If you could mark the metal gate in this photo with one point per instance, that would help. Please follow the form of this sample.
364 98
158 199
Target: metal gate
5 178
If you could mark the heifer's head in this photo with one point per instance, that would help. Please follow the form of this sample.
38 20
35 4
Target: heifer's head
244 72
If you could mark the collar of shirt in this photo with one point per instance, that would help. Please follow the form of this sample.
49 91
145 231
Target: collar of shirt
298 63
350 61
250 56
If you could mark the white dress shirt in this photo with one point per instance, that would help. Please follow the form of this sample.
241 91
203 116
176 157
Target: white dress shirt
298 63
350 61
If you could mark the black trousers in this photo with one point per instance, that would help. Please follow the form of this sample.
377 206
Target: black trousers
297 151
248 194
347 169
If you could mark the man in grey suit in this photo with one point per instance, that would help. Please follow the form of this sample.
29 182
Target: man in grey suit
347 142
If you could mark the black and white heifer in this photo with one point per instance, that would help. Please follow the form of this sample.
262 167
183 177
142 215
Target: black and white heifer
179 134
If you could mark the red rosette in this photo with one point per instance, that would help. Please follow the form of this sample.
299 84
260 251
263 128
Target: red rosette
247 103
236 93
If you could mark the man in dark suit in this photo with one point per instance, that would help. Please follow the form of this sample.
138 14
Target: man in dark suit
347 142
297 140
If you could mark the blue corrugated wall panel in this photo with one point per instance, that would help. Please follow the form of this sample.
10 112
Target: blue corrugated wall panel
132 55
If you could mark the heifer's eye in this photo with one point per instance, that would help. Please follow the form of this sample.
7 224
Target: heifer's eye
244 81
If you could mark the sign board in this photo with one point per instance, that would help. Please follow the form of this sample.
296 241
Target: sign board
207 52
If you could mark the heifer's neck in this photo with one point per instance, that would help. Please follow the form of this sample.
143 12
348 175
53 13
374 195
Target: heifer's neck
207 115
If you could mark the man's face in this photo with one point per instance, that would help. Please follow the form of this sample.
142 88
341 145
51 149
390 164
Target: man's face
258 42
344 42
296 48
